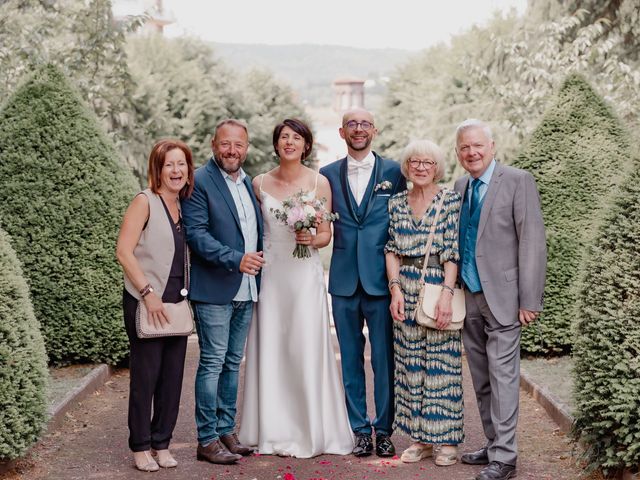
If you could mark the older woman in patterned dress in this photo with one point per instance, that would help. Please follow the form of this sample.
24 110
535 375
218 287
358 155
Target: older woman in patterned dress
428 372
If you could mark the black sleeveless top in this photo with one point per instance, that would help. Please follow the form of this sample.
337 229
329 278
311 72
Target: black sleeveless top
175 282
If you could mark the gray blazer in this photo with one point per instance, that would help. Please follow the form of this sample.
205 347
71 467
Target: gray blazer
511 252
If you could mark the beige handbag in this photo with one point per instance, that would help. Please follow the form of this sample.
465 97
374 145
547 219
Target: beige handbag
430 293
179 314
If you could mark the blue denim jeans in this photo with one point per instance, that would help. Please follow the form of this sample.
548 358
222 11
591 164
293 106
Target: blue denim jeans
222 334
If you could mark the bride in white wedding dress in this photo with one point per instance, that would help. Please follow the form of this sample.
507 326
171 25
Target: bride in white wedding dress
294 402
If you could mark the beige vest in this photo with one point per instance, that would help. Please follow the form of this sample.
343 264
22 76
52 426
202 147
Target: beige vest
155 249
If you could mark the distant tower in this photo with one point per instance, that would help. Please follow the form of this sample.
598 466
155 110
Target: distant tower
348 93
158 16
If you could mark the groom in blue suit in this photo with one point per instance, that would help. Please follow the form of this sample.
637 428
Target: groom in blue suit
361 185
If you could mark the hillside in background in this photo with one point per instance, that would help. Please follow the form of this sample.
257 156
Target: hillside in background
311 69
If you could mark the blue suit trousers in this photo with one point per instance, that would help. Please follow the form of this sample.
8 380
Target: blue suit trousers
349 315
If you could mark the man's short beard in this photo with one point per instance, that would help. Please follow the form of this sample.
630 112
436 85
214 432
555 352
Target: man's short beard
225 169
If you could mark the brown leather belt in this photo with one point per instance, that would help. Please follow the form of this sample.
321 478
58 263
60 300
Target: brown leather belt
418 262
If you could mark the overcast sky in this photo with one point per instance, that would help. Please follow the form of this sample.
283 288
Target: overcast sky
407 24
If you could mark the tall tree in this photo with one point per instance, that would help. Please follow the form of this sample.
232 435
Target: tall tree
431 94
84 41
23 361
596 39
182 89
578 154
607 347
185 90
265 102
63 192
506 72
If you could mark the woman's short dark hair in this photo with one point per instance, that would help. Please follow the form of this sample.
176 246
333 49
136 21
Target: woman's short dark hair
156 162
300 128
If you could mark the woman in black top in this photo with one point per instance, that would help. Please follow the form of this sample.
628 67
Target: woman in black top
152 229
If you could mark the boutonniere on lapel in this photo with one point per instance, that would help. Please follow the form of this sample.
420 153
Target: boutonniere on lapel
386 185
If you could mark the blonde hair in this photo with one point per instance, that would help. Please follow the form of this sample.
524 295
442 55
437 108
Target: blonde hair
425 148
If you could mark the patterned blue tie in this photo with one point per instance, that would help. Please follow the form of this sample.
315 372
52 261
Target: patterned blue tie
475 195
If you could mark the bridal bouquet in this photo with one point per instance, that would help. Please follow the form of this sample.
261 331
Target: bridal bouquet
299 212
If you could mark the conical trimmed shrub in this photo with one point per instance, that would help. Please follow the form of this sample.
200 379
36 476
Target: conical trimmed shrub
63 191
607 347
578 153
23 362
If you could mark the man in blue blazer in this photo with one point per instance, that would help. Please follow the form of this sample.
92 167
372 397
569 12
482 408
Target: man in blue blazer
224 231
361 184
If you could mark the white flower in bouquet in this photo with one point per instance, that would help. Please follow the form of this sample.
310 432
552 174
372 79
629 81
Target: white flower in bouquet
299 212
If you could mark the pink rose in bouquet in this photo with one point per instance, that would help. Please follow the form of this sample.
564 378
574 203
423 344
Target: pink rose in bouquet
301 212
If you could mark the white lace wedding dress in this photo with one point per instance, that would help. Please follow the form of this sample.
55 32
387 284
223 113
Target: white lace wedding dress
294 402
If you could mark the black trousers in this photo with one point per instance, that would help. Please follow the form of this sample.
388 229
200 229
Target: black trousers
156 369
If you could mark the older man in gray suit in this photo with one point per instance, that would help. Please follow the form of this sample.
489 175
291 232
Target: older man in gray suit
502 267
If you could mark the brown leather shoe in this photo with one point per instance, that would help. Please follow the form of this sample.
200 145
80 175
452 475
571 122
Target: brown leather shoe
216 452
230 440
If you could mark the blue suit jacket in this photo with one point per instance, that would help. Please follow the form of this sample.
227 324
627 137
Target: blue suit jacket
215 237
358 243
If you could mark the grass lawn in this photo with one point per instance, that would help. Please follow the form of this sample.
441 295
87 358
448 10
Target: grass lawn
553 373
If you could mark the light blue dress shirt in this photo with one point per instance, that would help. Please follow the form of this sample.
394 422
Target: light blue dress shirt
485 178
249 226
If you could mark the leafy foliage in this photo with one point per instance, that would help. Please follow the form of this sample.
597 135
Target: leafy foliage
83 40
506 73
23 361
431 94
186 91
594 38
182 90
265 102
63 191
578 154
141 88
607 347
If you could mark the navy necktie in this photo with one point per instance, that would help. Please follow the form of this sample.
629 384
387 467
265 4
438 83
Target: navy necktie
475 195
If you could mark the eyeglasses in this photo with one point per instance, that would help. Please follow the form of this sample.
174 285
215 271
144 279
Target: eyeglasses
426 164
364 125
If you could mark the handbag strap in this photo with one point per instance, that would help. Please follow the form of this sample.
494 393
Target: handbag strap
187 266
432 233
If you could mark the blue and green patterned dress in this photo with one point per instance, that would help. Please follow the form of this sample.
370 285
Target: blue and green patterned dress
428 371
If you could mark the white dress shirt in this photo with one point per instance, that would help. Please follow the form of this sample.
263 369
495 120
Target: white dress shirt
359 173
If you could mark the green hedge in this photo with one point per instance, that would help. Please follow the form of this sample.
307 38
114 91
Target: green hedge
607 347
63 191
577 154
23 361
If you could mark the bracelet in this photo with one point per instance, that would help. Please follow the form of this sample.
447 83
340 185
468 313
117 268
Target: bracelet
448 288
394 281
146 290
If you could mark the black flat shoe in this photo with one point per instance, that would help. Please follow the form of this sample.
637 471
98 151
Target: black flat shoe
364 445
497 471
384 447
479 457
